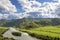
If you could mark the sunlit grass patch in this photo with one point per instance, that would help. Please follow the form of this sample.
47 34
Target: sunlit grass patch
45 33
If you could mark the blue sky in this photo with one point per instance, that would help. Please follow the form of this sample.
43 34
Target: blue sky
30 8
45 1
19 7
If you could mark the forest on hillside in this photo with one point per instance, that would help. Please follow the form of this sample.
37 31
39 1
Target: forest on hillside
29 23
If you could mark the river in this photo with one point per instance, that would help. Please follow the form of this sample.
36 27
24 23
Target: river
24 36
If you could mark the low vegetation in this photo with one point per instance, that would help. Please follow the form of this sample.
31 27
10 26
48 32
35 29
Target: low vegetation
46 29
7 39
16 33
42 29
2 31
45 33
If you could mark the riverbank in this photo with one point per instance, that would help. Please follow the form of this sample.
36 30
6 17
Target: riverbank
24 36
2 31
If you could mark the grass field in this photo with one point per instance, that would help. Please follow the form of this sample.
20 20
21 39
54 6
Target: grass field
45 33
2 30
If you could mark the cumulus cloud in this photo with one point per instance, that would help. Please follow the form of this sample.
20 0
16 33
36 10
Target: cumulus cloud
6 5
32 8
3 16
46 9
10 16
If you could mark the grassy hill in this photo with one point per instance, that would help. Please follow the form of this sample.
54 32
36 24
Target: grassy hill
46 29
44 33
18 22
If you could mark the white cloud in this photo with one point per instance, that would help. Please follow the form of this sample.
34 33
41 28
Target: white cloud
3 16
6 5
47 9
30 6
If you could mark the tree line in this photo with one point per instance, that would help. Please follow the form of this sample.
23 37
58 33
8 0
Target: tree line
29 23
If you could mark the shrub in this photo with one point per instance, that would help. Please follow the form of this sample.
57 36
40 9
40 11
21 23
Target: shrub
8 38
16 33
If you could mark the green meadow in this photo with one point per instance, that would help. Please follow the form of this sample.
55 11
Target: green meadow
45 29
44 33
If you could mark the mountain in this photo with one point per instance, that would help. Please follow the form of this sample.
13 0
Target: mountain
18 22
10 23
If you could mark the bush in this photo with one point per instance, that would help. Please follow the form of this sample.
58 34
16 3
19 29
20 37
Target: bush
56 21
16 33
8 38
45 22
5 38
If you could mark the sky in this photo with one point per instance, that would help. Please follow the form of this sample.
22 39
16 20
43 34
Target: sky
19 6
17 9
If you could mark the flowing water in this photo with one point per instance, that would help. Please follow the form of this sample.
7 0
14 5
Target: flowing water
24 36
